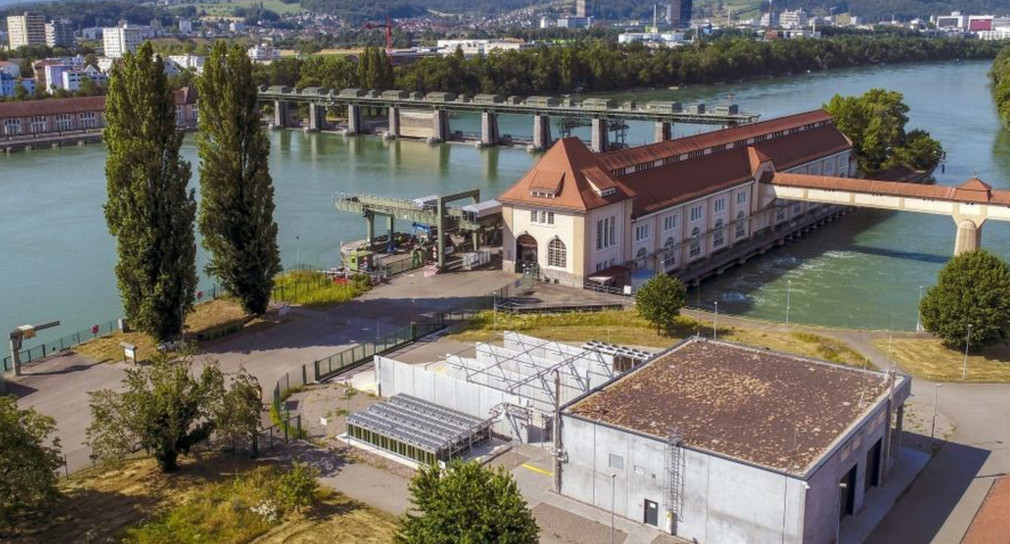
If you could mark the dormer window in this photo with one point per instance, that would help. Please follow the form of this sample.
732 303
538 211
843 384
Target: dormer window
608 191
542 194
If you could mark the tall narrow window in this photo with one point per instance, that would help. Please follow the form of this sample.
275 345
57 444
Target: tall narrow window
599 234
719 236
669 255
741 225
695 242
556 253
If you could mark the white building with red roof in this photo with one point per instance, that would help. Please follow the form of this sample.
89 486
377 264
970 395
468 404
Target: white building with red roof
664 207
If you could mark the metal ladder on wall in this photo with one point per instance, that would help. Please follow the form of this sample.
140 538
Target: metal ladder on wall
674 476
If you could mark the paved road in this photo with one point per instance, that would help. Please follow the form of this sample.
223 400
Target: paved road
59 386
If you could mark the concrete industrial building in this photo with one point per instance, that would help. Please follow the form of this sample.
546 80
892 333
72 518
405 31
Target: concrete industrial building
720 443
679 13
25 30
120 40
662 207
710 441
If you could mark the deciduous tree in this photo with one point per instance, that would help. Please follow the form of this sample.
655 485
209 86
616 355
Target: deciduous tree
163 410
150 211
659 301
238 415
236 190
466 502
29 458
972 289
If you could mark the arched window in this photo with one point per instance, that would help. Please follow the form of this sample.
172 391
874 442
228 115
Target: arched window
557 254
640 256
719 236
669 255
741 226
695 242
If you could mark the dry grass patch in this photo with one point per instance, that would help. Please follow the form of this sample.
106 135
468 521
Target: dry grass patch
928 358
214 314
206 316
208 501
626 327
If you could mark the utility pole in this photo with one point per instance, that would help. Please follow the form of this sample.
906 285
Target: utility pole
967 342
558 452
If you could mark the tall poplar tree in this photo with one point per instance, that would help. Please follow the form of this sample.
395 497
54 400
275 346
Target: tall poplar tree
150 210
236 190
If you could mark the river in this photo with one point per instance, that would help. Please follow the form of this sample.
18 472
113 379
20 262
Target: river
57 258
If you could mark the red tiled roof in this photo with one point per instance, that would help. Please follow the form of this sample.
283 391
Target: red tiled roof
571 172
972 191
622 158
51 106
685 180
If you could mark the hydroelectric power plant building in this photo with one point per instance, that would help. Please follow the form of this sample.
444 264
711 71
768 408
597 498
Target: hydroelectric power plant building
714 442
688 206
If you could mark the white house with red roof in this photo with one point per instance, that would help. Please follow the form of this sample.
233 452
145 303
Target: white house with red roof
664 207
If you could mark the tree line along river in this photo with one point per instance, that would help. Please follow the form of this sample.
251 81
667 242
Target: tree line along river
865 271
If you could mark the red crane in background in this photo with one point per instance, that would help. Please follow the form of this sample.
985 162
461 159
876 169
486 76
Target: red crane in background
389 33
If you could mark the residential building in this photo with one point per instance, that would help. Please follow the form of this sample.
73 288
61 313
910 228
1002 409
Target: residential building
715 442
580 9
27 29
263 53
679 13
663 207
793 19
117 41
185 26
10 68
186 110
92 33
472 48
60 33
72 80
769 20
574 22
667 39
8 84
49 71
189 62
236 26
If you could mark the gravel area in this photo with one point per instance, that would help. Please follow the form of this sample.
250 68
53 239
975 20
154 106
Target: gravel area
331 402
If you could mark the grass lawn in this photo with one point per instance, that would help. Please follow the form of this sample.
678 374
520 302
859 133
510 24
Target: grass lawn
208 501
206 316
225 9
628 328
929 359
313 288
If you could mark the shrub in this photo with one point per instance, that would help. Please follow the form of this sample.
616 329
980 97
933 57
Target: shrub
296 489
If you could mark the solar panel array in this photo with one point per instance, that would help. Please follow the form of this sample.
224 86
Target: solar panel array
419 423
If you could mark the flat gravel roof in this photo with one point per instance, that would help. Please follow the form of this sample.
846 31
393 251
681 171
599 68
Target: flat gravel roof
771 409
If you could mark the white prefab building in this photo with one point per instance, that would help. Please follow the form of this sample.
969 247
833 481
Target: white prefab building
723 444
664 207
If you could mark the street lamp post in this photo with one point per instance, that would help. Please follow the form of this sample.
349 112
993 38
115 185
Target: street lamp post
918 313
964 367
715 322
789 295
298 252
936 398
613 499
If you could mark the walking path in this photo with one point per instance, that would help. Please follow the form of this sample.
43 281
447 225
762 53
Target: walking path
59 386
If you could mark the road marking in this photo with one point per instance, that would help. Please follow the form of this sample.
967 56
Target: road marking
528 466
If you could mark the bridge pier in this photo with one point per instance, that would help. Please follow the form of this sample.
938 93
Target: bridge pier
441 122
969 237
664 131
599 142
317 116
280 114
488 128
353 119
369 227
394 122
541 132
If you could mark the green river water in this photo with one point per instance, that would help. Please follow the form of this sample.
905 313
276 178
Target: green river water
57 258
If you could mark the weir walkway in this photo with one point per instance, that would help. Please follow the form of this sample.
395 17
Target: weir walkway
970 204
599 112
